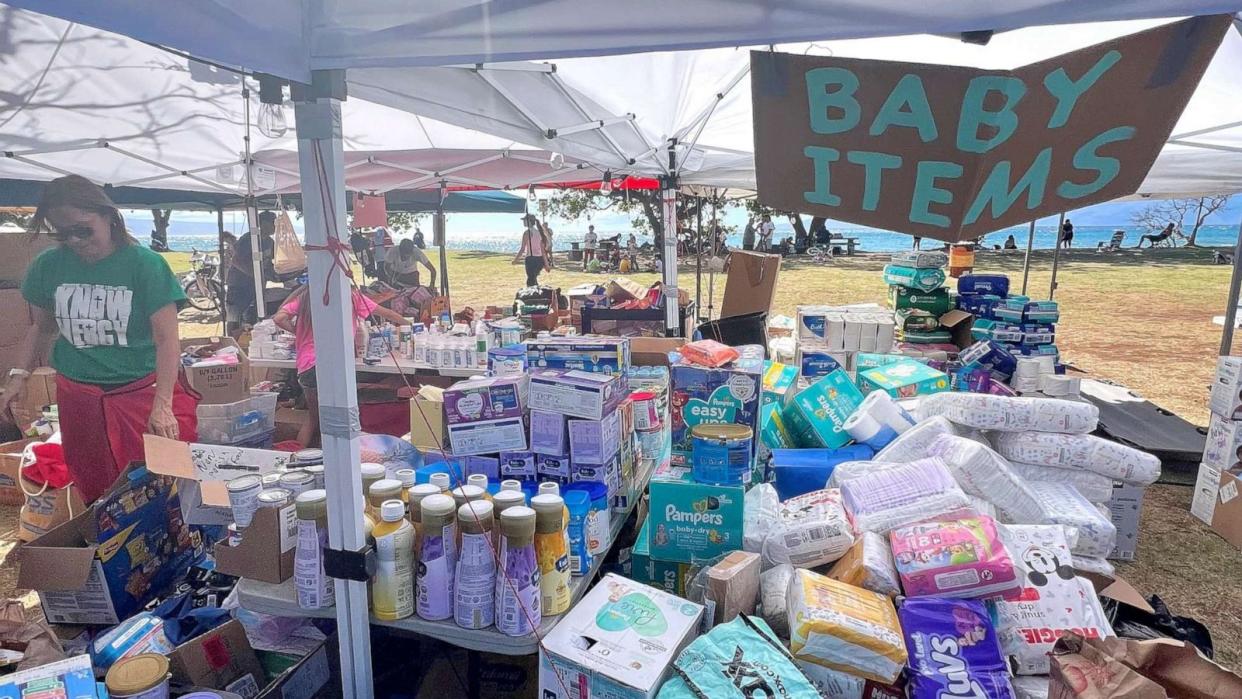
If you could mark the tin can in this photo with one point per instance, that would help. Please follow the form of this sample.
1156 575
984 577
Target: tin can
235 536
307 457
143 676
721 454
650 444
276 497
271 480
316 472
646 411
507 361
297 482
244 498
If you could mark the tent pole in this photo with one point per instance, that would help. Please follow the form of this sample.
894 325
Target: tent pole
1056 258
438 233
320 159
224 273
252 216
672 309
1026 264
1231 311
698 259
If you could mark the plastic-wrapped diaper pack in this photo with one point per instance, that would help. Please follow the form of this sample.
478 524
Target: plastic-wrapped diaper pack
1030 687
845 628
811 530
1053 600
869 565
953 650
1012 414
832 684
698 665
1063 504
914 442
1081 451
1093 486
957 558
985 474
889 498
774 597
761 510
1095 566
921 278
849 470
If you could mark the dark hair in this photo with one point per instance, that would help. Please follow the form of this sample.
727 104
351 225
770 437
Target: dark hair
78 192
406 245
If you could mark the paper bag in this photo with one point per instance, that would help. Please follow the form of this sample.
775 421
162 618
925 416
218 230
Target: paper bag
290 258
38 644
1115 668
45 507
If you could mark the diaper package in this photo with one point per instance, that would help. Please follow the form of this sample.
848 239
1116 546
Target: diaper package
985 474
914 443
1053 601
698 674
774 597
1081 451
957 558
1012 414
811 530
841 685
1095 566
1093 486
850 470
1029 687
869 565
920 259
952 645
845 628
1061 503
761 510
886 411
882 500
921 278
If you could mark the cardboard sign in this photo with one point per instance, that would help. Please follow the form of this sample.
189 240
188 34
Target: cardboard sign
952 153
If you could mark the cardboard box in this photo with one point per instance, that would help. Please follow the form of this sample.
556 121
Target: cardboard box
575 393
670 576
733 586
40 393
780 382
611 645
486 465
1227 514
17 321
517 464
816 361
267 547
750 284
817 415
595 441
693 521
20 249
488 436
225 383
959 324
653 351
310 675
220 659
901 380
289 422
549 433
10 470
608 355
702 395
487 398
1226 398
1223 444
1207 485
203 470
1124 510
499 676
428 429
553 467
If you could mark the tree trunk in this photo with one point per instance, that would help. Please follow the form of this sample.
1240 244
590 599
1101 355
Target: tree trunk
159 236
655 217
1194 232
799 229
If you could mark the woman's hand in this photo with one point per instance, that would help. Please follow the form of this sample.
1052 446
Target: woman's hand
13 392
163 422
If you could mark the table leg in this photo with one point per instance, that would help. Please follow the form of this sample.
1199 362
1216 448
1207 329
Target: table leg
473 669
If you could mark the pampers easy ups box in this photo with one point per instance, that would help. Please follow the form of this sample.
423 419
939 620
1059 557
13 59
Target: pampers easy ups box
619 642
817 415
725 395
691 521
904 379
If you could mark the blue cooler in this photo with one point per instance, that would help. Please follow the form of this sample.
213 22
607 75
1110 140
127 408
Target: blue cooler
799 471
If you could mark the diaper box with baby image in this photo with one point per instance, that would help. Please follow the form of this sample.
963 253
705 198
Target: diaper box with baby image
817 415
725 395
690 521
1226 398
904 379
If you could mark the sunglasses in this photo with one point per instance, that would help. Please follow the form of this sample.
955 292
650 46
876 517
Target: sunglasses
79 231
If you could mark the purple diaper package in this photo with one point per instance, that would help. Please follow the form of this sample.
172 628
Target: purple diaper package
953 650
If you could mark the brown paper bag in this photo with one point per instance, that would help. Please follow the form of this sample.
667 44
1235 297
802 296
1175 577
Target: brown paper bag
45 508
35 640
1116 668
289 256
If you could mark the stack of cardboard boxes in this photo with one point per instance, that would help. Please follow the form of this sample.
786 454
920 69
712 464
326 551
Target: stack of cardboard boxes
1216 500
830 337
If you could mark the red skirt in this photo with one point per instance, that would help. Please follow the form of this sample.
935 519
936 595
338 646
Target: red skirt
101 430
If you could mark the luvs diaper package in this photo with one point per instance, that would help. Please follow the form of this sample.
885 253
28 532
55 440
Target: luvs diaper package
816 416
844 627
724 395
958 558
953 650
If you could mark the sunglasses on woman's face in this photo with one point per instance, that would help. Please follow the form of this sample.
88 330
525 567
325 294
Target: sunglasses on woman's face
82 231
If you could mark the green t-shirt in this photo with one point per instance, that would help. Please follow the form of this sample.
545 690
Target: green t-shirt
103 310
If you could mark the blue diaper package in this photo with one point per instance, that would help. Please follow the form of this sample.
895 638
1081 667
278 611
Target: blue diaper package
997 284
953 650
990 355
740 659
1036 334
799 471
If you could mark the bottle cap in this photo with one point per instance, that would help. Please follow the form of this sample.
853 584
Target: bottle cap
475 517
406 476
312 504
441 480
371 471
392 511
511 484
550 487
518 522
477 479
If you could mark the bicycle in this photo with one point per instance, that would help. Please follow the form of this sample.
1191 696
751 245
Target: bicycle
202 286
819 255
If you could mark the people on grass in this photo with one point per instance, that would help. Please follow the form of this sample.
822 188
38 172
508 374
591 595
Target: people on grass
106 309
536 249
419 241
589 243
239 293
766 231
748 235
631 248
1158 238
401 265
1067 235
1011 243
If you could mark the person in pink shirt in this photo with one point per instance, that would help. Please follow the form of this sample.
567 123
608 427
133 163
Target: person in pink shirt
295 317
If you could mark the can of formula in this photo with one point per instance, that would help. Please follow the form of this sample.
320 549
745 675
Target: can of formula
721 454
297 482
507 361
244 498
271 480
646 411
235 537
276 497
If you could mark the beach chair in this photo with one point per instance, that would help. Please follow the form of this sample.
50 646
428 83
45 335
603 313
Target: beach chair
1114 243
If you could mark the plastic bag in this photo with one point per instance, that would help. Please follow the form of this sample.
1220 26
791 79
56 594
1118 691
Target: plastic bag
743 642
1093 486
1095 566
912 444
1061 503
833 684
1011 414
844 627
774 597
290 258
811 530
1081 451
985 474
761 511
958 558
1035 687
914 492
848 470
869 565
952 645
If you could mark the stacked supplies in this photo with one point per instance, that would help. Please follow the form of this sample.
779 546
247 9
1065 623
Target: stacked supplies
830 337
918 296
1216 486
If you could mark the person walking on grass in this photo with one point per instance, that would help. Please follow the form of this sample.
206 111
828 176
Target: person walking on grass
1159 237
536 249
1067 235
589 243
766 231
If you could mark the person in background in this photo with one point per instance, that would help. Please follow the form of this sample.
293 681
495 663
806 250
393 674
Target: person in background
240 305
1011 243
401 265
107 309
1067 235
918 241
360 243
748 234
589 242
631 249
419 242
766 230
295 316
1159 237
535 250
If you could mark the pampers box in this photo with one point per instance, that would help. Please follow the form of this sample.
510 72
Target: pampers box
619 642
701 395
817 415
780 382
670 576
693 521
904 379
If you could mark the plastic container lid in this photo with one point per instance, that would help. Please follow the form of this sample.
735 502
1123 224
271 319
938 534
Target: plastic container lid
312 504
511 484
308 456
594 490
406 476
549 488
578 501
371 471
245 483
441 480
477 479
383 489
137 674
439 505
518 522
392 511
467 493
475 517
549 512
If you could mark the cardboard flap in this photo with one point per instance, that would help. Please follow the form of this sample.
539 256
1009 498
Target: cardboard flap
750 283
210 464
59 560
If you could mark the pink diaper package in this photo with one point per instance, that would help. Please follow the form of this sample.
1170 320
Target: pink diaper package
954 558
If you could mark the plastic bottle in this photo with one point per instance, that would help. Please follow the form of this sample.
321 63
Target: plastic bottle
482 343
511 484
475 594
371 473
392 588
552 552
518 603
501 501
315 589
416 496
442 481
478 479
446 322
550 488
461 347
471 354
578 502
419 345
381 491
405 337
407 478
468 493
437 558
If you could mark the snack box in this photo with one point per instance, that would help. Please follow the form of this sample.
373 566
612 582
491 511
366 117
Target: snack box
780 381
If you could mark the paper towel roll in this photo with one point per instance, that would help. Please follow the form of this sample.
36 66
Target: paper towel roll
1047 363
885 410
866 429
1058 385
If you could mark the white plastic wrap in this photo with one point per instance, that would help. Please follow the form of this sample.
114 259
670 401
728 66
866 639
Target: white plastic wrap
982 506
774 598
869 565
1032 687
1054 600
1062 504
1093 486
832 684
985 474
1097 566
849 470
910 493
811 530
1081 451
984 411
978 436
912 444
760 513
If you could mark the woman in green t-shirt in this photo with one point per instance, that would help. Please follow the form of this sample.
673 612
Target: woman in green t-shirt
107 309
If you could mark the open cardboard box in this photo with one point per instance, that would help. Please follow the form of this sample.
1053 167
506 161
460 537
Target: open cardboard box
1227 516
226 383
10 471
653 351
266 549
203 471
959 324
750 284
219 659
306 678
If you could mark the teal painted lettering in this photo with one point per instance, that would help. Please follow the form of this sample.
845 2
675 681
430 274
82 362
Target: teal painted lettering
1067 91
906 106
1086 158
927 193
975 115
821 157
874 164
996 187
822 100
